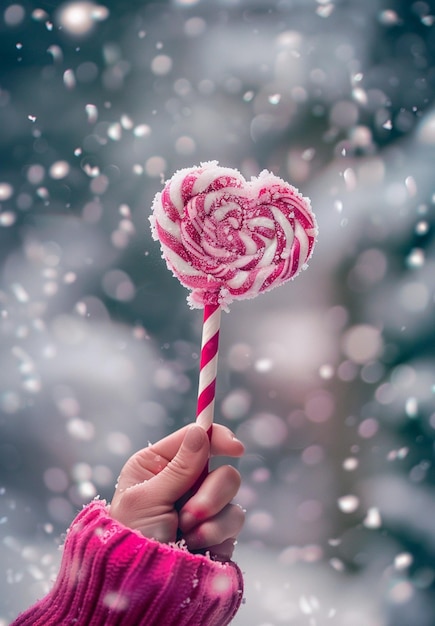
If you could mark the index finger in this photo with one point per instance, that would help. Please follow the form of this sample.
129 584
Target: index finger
150 461
223 443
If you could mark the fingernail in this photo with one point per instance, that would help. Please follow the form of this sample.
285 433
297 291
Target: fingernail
194 439
232 436
236 440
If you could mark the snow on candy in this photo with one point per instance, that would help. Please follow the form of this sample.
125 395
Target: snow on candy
226 238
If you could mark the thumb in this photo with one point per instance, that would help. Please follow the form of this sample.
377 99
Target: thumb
186 467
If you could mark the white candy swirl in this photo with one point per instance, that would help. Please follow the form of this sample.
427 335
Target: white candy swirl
226 238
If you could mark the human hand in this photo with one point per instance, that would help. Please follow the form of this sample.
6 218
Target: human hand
154 483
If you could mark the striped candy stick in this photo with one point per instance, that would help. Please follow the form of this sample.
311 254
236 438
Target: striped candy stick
208 366
207 373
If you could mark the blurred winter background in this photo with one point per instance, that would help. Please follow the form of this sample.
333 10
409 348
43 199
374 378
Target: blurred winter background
329 380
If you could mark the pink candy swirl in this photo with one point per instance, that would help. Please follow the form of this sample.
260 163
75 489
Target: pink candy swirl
226 238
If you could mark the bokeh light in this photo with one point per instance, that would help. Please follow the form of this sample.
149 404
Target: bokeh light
329 380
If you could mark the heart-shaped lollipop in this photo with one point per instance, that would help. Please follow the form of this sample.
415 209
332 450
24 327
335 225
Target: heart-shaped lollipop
226 238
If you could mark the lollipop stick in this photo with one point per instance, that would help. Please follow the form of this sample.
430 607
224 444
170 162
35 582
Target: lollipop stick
207 373
206 384
208 366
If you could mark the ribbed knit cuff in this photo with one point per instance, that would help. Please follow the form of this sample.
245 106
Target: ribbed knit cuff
111 575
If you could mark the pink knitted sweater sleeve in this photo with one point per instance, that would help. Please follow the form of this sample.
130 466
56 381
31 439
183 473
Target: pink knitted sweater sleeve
111 575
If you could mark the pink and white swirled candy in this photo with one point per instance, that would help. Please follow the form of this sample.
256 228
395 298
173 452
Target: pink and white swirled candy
226 238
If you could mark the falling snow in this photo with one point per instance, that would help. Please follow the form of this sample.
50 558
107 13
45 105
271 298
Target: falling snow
330 382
